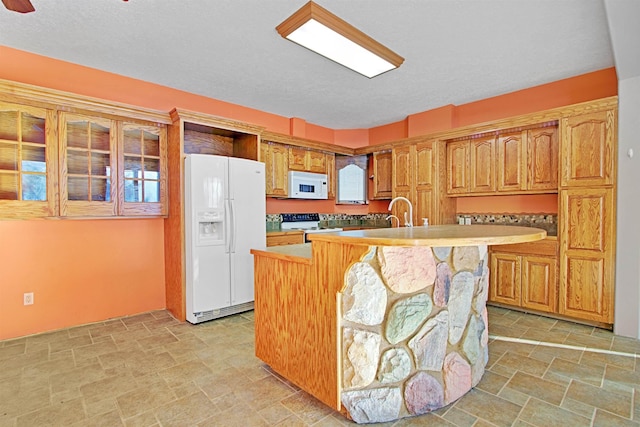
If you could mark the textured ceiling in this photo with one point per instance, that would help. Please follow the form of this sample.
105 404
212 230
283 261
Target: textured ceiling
456 51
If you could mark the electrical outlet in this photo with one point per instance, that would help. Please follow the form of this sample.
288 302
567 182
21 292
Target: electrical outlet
28 298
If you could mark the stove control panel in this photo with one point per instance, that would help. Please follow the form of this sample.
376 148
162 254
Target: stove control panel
299 217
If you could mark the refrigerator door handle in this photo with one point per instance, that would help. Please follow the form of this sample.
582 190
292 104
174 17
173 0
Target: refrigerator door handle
227 227
232 238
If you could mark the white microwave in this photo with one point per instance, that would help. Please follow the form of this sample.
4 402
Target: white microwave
306 185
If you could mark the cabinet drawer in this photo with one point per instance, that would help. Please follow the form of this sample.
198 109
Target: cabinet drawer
548 246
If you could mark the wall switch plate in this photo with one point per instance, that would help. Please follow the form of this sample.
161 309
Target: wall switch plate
28 298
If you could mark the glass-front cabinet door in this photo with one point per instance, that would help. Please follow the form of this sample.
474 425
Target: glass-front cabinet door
27 161
143 186
88 178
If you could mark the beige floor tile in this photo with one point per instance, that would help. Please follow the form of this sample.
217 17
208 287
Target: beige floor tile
459 418
492 382
624 344
605 419
75 378
511 331
589 341
430 420
188 410
306 407
542 414
536 322
572 327
18 402
545 336
513 396
264 392
547 352
110 386
57 414
607 358
537 387
109 419
622 377
578 407
143 399
17 349
587 374
153 371
518 362
147 419
614 402
275 413
103 406
488 407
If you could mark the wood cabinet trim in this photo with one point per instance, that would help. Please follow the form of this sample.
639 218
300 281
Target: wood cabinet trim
306 143
67 100
177 115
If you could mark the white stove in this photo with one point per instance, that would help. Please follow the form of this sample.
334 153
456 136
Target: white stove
308 222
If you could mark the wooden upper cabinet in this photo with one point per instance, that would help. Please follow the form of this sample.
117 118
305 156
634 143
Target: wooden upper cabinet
317 161
331 175
88 165
458 167
424 177
511 166
588 149
301 159
542 159
483 165
403 184
587 236
28 159
424 164
142 175
402 169
382 175
276 159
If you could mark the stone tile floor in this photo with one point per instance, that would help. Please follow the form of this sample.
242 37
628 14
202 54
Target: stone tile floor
151 370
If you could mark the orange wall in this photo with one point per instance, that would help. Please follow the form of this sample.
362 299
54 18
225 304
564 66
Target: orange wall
586 87
82 271
79 271
533 204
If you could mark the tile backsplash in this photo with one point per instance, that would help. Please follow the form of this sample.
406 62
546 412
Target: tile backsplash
333 220
548 222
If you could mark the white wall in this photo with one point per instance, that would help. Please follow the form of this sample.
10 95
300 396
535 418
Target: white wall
624 30
627 303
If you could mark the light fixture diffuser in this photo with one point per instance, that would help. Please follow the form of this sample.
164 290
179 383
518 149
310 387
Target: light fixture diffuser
321 31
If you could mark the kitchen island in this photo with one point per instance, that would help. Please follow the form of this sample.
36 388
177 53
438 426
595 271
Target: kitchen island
380 324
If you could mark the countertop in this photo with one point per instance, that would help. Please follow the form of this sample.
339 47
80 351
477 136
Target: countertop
289 252
437 235
283 232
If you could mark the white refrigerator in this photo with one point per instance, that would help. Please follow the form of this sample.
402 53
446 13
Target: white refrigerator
224 220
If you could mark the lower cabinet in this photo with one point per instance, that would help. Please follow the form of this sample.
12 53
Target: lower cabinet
525 276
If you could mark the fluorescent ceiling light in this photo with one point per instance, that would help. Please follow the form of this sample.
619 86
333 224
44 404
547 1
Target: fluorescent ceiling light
321 31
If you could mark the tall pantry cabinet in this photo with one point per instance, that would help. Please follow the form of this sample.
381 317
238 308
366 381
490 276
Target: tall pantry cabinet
587 213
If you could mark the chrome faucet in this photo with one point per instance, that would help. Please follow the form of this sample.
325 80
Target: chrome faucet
390 217
407 222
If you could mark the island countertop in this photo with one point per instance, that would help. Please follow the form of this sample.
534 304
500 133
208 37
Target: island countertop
436 235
